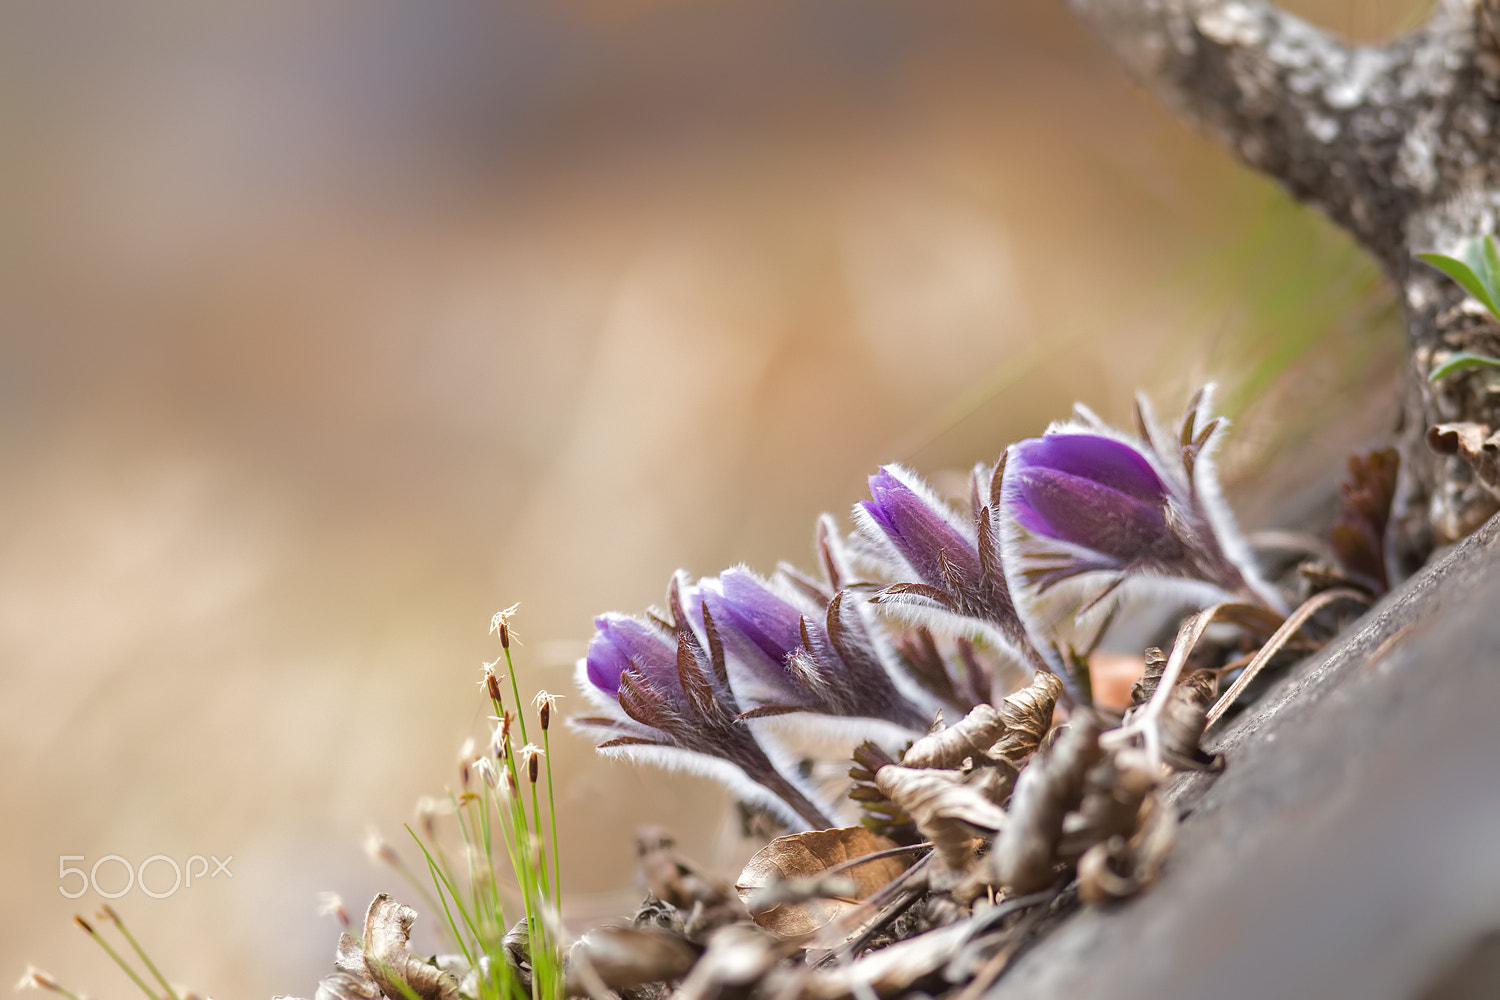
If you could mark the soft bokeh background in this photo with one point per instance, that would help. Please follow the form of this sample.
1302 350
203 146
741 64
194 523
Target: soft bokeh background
326 330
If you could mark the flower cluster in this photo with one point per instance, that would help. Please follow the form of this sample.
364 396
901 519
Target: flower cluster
920 608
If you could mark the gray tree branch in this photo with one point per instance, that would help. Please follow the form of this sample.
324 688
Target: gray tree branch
1399 144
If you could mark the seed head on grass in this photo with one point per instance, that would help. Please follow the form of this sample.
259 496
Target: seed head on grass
488 773
35 979
544 704
500 624
379 850
530 757
491 681
331 904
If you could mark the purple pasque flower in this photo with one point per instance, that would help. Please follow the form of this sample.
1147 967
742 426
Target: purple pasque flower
666 698
790 652
1085 499
948 569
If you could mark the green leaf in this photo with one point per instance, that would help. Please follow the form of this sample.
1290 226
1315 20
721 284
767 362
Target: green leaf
1476 268
1460 361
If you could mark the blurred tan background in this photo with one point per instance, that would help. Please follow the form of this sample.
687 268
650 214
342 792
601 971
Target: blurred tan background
328 330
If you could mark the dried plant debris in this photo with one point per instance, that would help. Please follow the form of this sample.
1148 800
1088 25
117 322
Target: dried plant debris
1143 689
705 902
1475 444
1120 867
1183 719
621 958
1026 847
799 883
1009 732
1358 535
946 809
382 965
948 746
1028 716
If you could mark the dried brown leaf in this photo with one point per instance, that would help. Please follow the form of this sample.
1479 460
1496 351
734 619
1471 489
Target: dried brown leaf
739 957
1183 719
1114 794
1117 867
1143 689
994 781
1359 529
623 957
1473 443
889 972
671 878
944 807
382 964
971 736
1027 715
1048 788
805 857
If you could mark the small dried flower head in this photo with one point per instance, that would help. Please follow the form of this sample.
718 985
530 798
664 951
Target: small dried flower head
487 772
35 979
379 851
491 681
330 904
82 923
467 755
501 624
428 809
499 735
544 702
529 757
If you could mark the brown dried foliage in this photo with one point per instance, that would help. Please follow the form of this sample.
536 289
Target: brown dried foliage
786 887
1358 535
945 808
1027 715
1183 719
1048 788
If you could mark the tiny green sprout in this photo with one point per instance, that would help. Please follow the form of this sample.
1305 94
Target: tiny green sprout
1476 267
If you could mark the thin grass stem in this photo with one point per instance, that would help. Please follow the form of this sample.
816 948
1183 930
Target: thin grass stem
124 966
552 821
115 917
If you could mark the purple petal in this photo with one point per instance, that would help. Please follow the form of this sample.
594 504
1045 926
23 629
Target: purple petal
918 532
623 642
774 626
1102 460
1085 513
605 662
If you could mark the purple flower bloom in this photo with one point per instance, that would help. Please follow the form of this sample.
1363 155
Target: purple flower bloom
1089 500
789 653
949 570
1095 493
667 698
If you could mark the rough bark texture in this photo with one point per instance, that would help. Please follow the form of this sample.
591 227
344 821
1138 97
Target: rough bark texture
1348 848
1399 144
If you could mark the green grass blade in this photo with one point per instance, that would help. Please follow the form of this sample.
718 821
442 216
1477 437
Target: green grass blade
1475 269
1461 360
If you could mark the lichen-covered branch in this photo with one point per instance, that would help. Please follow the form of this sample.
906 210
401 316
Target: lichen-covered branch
1399 144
